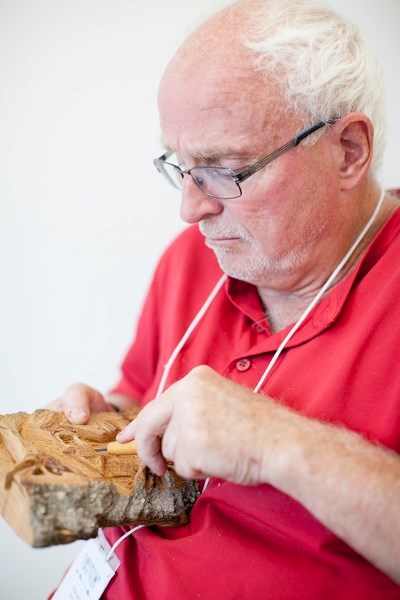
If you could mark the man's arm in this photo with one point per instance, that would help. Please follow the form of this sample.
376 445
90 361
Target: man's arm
209 426
79 400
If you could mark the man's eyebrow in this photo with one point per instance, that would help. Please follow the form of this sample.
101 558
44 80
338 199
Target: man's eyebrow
210 154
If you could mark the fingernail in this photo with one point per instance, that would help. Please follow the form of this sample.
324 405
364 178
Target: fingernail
77 414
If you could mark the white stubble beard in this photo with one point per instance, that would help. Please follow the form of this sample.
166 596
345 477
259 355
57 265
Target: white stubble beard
253 266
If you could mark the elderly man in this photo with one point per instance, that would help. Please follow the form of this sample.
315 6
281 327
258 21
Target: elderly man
266 353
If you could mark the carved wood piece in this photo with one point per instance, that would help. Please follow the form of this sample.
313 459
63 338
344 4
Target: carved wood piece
55 488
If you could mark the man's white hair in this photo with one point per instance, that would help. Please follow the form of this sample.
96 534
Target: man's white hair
322 64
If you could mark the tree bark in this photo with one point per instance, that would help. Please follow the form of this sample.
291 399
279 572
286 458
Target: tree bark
55 488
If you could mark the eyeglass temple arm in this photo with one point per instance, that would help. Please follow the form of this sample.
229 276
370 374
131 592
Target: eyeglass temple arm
298 138
294 142
164 156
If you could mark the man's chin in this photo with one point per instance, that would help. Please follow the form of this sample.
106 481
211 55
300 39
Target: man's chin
250 270
236 271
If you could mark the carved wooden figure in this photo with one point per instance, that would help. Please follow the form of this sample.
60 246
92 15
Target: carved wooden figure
55 488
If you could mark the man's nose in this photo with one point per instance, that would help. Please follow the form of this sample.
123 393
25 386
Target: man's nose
195 205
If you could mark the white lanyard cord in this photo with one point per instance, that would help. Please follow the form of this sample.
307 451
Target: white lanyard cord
188 333
121 539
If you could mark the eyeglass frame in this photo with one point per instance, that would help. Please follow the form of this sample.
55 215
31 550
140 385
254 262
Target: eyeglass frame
240 176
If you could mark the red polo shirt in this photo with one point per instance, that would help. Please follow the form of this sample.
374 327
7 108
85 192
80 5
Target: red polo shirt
341 366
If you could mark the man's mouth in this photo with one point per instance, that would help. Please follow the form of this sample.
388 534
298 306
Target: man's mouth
213 237
221 239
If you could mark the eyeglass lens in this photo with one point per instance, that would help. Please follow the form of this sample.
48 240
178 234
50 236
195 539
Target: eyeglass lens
213 181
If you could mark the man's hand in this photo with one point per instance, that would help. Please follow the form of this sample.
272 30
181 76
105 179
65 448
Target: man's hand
209 426
78 401
206 425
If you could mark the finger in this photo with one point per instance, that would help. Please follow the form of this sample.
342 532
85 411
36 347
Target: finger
154 458
157 462
128 433
79 401
186 470
187 456
148 429
74 410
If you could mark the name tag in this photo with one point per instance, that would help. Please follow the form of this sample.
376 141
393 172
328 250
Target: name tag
90 573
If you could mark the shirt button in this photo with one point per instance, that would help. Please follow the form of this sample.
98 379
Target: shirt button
243 364
259 328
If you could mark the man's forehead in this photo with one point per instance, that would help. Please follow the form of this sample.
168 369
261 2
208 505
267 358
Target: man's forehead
237 131
229 112
212 83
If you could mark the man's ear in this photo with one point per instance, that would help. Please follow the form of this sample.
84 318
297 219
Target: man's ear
355 135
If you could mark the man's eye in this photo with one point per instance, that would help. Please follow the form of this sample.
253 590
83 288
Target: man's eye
199 179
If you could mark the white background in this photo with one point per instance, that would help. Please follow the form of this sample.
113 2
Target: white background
84 216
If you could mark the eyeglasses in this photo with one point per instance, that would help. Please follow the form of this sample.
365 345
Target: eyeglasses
223 183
